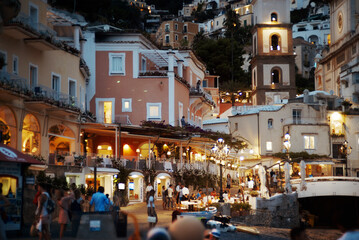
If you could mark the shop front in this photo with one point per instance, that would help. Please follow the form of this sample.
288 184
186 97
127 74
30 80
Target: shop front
162 179
12 167
135 186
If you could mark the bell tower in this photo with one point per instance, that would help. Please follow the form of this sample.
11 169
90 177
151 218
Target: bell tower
273 65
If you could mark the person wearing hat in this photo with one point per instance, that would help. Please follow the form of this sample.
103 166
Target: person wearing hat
215 234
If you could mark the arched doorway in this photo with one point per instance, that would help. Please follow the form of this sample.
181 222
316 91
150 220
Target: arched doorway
61 140
8 126
144 150
31 135
162 179
135 186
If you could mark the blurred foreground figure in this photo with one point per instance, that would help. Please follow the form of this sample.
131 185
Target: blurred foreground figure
187 228
158 234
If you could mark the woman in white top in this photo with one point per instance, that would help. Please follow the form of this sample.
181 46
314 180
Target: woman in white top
41 212
151 211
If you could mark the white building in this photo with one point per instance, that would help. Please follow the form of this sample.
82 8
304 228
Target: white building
316 31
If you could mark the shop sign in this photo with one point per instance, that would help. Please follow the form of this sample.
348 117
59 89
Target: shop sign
95 225
30 180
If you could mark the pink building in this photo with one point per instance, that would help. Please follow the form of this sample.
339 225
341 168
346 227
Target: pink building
132 81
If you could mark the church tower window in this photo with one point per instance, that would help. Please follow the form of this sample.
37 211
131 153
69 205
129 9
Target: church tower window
275 43
276 76
274 17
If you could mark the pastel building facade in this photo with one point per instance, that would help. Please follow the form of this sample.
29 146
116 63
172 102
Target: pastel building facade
43 83
133 82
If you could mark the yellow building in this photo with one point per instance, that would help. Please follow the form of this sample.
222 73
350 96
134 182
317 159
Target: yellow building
43 82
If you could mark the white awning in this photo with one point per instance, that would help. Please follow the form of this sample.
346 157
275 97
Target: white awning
37 167
104 170
163 175
136 174
320 162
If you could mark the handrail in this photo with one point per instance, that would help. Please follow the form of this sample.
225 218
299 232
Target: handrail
326 178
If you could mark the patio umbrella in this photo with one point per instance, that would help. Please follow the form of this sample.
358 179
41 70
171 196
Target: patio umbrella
262 177
303 184
288 187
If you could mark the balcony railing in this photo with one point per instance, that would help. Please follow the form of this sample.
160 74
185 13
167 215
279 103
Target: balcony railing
123 119
200 92
20 85
36 27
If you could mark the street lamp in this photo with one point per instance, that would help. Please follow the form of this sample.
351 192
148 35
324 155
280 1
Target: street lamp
346 150
221 152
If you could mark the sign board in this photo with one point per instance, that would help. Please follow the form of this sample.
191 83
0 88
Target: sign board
95 225
121 186
131 186
30 180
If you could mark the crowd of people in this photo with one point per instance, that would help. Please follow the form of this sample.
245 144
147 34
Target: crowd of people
70 208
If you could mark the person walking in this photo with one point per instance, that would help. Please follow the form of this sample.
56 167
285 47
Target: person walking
64 202
148 189
178 194
42 213
151 211
164 197
4 202
229 181
76 211
100 200
170 197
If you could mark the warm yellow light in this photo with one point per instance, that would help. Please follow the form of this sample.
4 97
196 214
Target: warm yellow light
126 146
336 116
109 148
99 147
138 150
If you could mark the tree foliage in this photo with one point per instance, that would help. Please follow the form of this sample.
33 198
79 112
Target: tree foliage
118 13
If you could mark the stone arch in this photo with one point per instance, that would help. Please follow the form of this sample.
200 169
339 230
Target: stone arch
31 139
8 126
275 42
276 75
61 139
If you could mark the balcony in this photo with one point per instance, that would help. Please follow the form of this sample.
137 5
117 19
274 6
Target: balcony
23 27
199 92
38 94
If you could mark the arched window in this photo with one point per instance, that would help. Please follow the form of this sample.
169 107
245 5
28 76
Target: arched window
270 123
275 43
31 135
7 126
274 17
276 76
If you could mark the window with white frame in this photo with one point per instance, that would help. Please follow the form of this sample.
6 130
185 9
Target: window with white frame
167 39
167 27
33 76
270 123
126 104
117 63
309 142
55 82
269 146
105 110
72 88
143 64
154 111
15 64
34 15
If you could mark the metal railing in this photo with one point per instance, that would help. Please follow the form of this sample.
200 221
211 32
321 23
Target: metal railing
21 85
14 82
326 179
37 27
123 119
200 91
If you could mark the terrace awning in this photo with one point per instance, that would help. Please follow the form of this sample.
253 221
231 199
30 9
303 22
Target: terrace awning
9 154
160 57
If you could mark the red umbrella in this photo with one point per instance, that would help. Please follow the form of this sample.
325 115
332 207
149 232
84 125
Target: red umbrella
9 154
